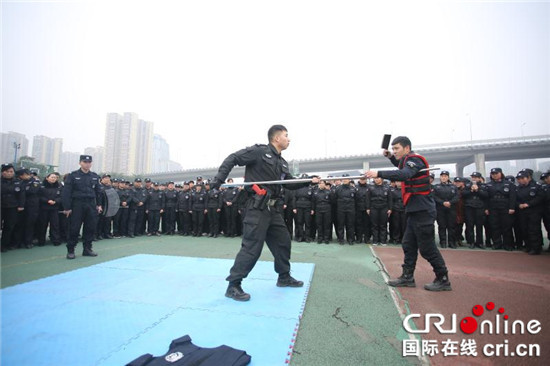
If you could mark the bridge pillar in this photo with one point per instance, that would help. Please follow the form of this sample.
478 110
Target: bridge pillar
480 163
366 166
460 169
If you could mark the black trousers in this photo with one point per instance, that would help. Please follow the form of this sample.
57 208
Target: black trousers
230 216
261 226
398 220
420 237
84 214
169 220
475 218
120 222
531 231
51 218
198 222
346 220
379 220
135 222
186 222
363 230
213 221
546 220
63 226
153 221
446 225
303 223
501 228
9 223
289 219
324 225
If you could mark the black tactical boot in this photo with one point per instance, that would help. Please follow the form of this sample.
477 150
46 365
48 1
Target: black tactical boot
235 292
288 281
405 280
88 252
441 283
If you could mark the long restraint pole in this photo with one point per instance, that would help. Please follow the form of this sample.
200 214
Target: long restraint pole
304 180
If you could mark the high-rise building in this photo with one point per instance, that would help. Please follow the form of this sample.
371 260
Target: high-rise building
69 162
47 150
97 157
128 144
9 143
161 154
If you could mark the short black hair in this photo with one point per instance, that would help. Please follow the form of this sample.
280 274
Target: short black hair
273 130
402 140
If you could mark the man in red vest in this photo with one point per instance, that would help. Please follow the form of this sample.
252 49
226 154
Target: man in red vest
421 213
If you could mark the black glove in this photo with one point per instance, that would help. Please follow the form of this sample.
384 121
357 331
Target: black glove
215 183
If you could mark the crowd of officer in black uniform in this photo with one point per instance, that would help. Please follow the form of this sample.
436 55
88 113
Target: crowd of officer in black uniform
499 213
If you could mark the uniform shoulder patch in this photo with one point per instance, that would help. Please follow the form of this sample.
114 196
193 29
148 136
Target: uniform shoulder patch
411 164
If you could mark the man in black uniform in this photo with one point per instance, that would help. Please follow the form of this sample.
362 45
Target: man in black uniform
323 199
344 195
120 222
13 202
502 205
199 201
81 196
184 206
262 220
421 213
103 222
302 211
446 196
229 199
169 215
362 219
379 204
475 202
154 207
29 216
214 208
136 225
398 219
529 202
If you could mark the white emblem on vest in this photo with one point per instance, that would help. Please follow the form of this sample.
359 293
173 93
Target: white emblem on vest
269 156
173 357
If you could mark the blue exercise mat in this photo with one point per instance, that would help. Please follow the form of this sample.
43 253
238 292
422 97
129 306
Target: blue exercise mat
113 312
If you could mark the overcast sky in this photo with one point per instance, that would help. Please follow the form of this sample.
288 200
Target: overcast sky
213 76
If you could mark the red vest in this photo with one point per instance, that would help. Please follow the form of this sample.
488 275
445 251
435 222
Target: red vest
418 184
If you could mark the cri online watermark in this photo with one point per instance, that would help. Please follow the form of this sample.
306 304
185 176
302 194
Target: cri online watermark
469 325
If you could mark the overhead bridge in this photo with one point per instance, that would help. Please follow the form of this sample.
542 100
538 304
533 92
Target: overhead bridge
461 154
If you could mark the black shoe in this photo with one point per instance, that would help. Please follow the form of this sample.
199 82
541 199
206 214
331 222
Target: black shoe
405 280
71 256
149 234
319 241
89 253
441 283
108 236
326 241
534 252
235 292
289 282
157 234
131 236
341 242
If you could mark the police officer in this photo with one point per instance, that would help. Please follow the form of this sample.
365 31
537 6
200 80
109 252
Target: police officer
29 216
421 213
104 222
362 219
229 199
302 211
199 201
137 209
214 208
13 202
49 197
345 210
398 219
379 208
529 203
262 221
446 196
169 215
322 201
184 209
81 196
120 222
154 207
502 204
475 202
